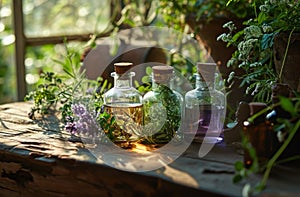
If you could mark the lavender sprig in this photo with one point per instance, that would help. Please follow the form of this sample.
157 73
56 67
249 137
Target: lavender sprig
85 123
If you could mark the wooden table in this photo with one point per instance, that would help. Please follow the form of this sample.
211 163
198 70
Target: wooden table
38 158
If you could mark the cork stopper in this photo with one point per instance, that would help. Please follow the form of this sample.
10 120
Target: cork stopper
122 67
162 70
207 71
256 107
162 73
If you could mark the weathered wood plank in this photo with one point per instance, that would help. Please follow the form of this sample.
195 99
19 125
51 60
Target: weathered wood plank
38 157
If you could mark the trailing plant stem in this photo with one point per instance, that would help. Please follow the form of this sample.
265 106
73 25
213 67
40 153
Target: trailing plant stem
289 159
285 55
279 152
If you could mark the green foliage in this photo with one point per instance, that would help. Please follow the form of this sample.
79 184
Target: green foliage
146 80
108 124
78 17
254 45
243 171
163 98
46 94
42 19
174 13
137 13
3 72
61 89
7 70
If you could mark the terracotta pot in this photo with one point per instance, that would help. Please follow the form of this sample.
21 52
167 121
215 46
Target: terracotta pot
100 61
291 69
207 33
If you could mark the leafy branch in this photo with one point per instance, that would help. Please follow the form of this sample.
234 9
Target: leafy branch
61 89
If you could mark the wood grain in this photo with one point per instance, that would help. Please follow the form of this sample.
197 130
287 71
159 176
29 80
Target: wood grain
38 158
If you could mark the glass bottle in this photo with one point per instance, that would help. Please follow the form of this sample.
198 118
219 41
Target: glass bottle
162 107
205 107
260 135
124 105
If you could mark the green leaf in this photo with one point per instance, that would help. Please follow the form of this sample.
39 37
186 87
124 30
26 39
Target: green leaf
69 73
237 35
148 71
252 152
287 105
237 178
141 89
267 41
145 79
239 165
136 83
104 84
261 17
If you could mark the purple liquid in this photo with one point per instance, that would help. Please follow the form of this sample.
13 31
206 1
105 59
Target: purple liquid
205 118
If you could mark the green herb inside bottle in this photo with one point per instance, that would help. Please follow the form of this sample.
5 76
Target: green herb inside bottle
162 108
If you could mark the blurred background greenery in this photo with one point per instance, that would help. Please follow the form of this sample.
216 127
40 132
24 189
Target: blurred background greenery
7 69
45 18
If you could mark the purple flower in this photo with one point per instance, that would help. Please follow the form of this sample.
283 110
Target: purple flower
90 91
85 123
78 109
71 127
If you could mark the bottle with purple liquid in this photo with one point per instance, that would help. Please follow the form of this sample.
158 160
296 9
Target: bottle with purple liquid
205 107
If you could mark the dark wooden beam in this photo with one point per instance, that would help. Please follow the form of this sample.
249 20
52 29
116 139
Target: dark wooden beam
38 41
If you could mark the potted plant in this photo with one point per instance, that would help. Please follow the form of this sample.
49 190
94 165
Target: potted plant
257 50
264 66
205 19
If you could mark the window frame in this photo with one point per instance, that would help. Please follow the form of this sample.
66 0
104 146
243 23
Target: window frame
22 42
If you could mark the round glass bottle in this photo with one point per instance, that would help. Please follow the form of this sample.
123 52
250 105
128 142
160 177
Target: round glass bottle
162 107
124 105
205 106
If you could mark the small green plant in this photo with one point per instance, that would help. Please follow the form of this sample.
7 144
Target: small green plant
46 94
60 90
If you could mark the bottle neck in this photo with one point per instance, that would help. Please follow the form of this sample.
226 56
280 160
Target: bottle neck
124 80
202 84
167 82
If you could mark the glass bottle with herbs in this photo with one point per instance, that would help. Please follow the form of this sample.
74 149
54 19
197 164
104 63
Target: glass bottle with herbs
162 107
205 106
123 107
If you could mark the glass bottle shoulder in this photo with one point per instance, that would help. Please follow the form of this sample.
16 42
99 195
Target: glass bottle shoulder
155 96
122 95
200 96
